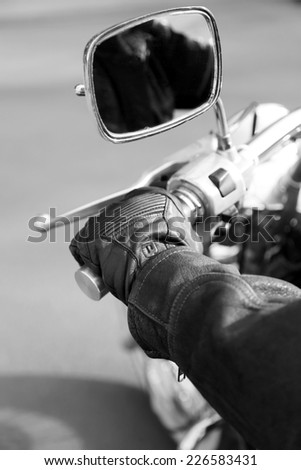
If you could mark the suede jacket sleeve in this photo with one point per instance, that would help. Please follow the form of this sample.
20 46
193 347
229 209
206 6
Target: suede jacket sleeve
237 338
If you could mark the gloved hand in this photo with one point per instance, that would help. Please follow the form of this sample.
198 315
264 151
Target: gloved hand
120 240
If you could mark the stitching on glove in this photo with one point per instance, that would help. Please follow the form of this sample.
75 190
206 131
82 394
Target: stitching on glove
164 257
89 261
149 314
125 248
147 348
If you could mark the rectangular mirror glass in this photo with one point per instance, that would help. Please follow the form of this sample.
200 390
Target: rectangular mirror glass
150 74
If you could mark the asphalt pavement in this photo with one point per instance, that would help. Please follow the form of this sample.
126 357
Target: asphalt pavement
67 379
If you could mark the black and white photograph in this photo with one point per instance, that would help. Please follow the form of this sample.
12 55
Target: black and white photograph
151 229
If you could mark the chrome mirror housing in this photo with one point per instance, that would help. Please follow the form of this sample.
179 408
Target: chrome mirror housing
153 73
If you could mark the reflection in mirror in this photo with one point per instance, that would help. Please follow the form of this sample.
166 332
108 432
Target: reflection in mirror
149 74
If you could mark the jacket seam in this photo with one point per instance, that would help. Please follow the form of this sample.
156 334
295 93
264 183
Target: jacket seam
179 303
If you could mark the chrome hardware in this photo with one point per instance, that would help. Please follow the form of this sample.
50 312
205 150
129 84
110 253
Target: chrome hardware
80 90
90 284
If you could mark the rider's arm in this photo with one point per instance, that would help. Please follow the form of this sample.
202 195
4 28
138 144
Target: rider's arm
237 338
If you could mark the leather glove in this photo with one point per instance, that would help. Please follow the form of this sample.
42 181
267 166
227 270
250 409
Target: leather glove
120 240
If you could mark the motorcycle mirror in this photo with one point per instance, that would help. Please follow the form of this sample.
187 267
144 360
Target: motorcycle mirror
152 73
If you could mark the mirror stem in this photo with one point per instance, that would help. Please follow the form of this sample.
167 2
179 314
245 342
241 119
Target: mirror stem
224 137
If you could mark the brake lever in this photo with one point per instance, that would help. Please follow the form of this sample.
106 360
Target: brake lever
45 222
91 284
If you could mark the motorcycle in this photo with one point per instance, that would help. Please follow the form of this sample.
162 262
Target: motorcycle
238 212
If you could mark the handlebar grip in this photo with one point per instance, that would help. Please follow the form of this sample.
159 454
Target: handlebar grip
91 284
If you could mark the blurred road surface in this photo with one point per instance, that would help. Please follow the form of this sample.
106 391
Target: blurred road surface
64 370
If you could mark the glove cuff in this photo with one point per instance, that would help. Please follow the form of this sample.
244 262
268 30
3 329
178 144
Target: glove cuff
154 292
